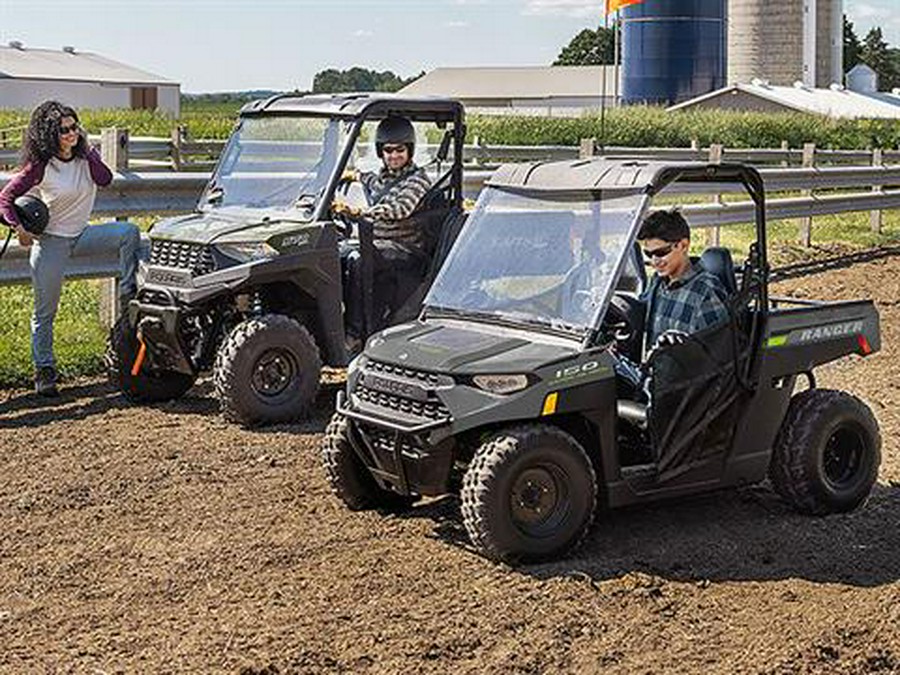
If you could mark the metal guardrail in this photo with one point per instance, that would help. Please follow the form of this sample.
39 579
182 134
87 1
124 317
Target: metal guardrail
160 151
133 194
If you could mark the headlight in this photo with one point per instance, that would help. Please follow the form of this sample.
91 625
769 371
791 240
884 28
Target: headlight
501 384
249 251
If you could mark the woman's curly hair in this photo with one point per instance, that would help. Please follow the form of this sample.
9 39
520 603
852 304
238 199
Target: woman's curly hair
42 137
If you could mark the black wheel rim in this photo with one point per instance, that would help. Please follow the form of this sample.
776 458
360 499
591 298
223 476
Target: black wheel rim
844 456
539 500
273 372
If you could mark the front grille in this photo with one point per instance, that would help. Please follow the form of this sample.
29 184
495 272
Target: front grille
388 369
196 258
413 401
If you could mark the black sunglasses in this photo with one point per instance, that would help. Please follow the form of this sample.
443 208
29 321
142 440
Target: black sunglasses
660 252
392 149
69 129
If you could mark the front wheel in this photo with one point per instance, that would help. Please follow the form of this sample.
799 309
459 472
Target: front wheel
827 453
529 494
148 386
267 371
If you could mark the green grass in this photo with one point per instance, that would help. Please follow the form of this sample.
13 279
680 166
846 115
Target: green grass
79 336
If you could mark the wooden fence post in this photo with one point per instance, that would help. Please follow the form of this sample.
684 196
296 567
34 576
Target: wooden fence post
114 148
176 149
714 234
586 148
786 149
875 217
809 161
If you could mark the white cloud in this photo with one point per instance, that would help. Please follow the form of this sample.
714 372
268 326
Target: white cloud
362 33
457 24
575 8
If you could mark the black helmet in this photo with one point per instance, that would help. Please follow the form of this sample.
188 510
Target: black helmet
393 130
32 213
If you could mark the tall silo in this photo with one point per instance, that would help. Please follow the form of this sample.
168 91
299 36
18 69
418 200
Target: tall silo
672 50
786 41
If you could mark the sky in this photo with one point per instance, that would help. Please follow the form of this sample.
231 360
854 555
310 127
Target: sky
233 45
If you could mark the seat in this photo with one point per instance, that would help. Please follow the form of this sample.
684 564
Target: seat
717 261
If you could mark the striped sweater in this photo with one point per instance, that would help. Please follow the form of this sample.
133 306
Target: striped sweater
394 197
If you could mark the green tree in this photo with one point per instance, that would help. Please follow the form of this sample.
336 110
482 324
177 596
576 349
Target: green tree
879 56
852 47
357 79
588 48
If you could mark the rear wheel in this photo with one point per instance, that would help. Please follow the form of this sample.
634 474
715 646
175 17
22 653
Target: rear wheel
827 453
348 477
148 386
267 371
529 494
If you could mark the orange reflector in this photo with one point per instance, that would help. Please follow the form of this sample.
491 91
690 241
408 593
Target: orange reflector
550 403
139 361
864 347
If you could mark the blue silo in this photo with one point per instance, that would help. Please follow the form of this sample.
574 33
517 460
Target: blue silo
673 50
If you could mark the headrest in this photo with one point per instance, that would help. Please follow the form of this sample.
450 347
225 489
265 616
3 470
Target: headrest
718 261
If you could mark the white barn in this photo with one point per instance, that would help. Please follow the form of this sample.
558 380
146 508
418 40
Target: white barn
82 80
539 90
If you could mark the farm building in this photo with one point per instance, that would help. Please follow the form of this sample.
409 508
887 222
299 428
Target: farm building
836 101
553 90
80 79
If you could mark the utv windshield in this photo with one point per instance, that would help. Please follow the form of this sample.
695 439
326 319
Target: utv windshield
536 262
276 163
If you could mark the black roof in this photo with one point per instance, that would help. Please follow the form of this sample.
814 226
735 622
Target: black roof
371 105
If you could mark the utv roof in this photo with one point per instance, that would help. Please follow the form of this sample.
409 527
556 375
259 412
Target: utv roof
376 105
610 174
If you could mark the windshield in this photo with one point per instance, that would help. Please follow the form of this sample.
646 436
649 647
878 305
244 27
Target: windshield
276 163
532 261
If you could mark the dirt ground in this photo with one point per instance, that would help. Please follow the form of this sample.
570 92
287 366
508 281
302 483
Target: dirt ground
164 540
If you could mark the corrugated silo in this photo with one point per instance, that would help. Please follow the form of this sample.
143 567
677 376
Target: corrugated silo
672 50
785 41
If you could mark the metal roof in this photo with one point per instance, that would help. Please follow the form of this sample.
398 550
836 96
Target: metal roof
515 82
25 63
833 102
352 105
619 175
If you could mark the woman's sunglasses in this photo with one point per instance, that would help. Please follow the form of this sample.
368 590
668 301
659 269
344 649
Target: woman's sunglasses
69 129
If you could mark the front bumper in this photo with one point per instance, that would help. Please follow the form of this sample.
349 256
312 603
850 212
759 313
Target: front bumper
402 458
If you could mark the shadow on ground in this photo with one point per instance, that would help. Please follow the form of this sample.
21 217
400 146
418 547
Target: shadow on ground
745 535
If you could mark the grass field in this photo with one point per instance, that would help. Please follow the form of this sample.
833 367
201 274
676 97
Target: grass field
81 338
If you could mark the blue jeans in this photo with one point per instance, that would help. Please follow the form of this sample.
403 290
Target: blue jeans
49 257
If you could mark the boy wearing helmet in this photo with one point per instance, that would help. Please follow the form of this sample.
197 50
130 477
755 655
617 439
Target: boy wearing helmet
393 195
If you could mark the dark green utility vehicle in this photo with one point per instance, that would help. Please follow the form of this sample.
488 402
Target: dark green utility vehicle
504 388
250 285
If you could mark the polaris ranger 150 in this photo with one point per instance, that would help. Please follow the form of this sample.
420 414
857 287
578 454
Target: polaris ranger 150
250 285
504 388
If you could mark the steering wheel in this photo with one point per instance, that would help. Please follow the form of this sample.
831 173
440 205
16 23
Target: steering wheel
619 320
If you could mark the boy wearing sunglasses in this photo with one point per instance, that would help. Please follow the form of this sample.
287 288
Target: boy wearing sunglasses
682 298
393 194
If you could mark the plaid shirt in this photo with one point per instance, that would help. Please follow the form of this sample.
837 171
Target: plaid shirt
689 304
396 196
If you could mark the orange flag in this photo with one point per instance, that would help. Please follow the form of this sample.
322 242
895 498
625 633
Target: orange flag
614 5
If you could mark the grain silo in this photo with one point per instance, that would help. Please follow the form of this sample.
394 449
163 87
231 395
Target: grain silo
672 50
786 41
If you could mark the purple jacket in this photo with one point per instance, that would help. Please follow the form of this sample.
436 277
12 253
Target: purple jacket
33 173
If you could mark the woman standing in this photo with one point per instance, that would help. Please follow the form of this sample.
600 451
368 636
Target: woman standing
61 168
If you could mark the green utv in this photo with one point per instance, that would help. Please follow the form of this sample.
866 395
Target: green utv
504 388
250 285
